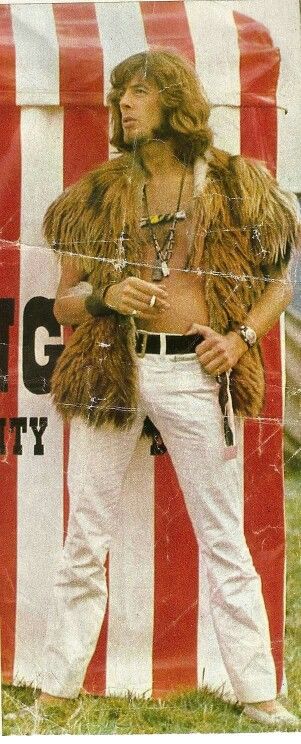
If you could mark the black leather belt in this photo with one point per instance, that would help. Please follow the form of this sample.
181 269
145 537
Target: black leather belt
150 343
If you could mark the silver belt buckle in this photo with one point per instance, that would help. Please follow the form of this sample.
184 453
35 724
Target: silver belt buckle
141 353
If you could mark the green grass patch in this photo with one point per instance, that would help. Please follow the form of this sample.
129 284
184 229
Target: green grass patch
198 711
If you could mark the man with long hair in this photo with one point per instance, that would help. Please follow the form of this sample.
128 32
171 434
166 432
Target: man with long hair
173 265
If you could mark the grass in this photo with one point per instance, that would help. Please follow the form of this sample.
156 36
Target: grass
198 711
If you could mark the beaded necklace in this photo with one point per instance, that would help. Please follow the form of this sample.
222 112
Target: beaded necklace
163 253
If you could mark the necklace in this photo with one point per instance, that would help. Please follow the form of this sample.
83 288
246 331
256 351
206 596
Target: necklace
162 219
163 252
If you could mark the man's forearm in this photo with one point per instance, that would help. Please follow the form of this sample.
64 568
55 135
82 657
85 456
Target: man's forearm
220 353
267 310
74 306
70 310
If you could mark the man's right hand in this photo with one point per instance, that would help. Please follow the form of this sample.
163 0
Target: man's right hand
134 296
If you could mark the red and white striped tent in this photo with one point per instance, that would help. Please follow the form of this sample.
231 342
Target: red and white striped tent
55 61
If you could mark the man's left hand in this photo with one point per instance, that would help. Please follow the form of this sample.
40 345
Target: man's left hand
217 353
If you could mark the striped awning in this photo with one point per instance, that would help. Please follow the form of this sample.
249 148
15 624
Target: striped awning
63 53
55 66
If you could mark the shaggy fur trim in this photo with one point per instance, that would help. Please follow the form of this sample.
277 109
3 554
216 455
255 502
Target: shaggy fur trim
243 224
86 221
95 376
247 384
246 224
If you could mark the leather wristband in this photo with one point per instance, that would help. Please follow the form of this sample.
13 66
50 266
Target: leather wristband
95 304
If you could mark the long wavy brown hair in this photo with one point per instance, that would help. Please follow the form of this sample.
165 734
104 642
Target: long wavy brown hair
185 106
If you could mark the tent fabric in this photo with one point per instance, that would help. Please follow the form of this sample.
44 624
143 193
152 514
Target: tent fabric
158 634
72 48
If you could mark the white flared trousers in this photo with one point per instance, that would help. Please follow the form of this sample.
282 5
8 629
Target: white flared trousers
182 401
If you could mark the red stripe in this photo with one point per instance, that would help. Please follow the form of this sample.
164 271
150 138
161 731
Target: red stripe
7 57
85 140
264 489
10 158
176 591
264 522
80 53
271 347
166 25
176 586
259 73
85 147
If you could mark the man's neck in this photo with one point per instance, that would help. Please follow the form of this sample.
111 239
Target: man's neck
158 158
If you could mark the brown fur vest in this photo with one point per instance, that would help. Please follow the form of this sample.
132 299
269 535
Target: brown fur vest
243 224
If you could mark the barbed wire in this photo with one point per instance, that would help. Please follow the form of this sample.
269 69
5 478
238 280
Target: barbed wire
121 264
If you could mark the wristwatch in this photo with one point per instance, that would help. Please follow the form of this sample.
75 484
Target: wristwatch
247 334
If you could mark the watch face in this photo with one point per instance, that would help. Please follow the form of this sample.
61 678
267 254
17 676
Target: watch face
250 336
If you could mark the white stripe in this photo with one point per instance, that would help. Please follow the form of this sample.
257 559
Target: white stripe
37 60
215 42
289 96
40 477
122 34
131 603
42 177
283 22
289 138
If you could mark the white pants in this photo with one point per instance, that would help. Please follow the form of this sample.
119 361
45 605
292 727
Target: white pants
182 401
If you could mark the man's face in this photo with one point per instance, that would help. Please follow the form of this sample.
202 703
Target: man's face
141 109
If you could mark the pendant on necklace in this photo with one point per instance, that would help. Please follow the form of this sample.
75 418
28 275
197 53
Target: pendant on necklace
157 274
160 270
164 268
